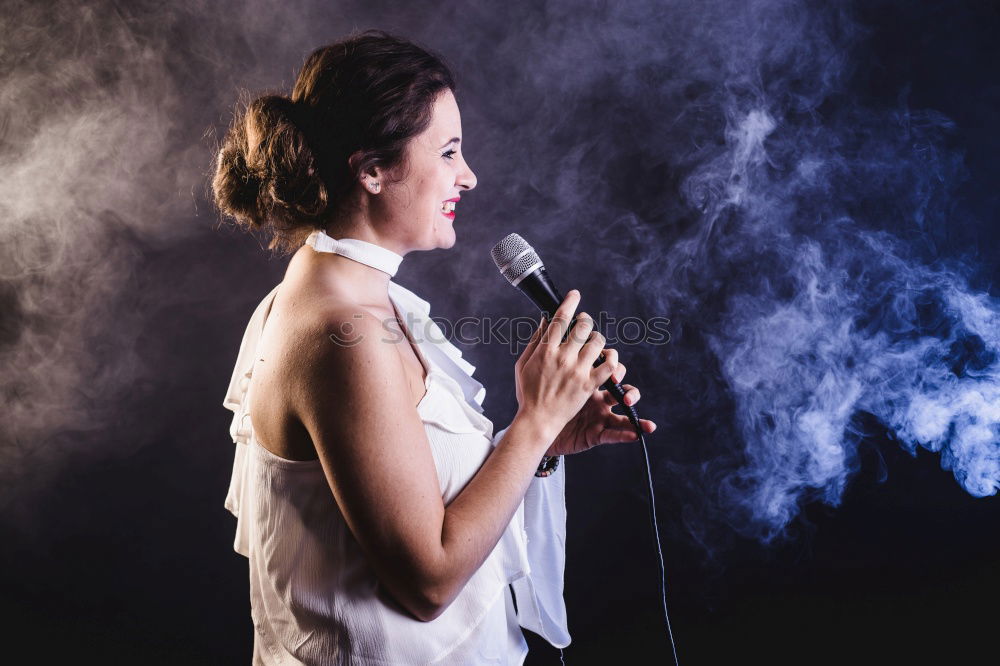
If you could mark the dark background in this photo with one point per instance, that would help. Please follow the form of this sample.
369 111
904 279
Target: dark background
598 133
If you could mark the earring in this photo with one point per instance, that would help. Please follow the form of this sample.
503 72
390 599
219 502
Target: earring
374 186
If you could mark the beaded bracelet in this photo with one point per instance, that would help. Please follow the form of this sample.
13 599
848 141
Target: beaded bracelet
548 465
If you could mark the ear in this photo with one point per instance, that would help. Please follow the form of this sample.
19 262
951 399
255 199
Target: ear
372 172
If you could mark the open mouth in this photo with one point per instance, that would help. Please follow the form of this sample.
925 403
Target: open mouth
448 209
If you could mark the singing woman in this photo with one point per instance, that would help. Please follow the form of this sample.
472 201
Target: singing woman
383 519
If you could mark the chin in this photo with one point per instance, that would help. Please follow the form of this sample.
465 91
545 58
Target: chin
446 240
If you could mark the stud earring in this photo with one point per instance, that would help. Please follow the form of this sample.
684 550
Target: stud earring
374 186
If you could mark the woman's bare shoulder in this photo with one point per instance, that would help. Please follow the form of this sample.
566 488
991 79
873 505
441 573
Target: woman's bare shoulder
304 308
313 325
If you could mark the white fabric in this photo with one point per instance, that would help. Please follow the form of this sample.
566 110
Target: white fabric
367 253
314 598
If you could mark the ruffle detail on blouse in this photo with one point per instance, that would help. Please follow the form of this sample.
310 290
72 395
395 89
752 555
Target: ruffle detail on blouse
435 344
530 554
240 429
534 553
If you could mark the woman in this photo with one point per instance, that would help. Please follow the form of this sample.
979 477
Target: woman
383 519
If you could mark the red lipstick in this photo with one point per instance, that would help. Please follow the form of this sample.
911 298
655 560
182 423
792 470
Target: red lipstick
450 215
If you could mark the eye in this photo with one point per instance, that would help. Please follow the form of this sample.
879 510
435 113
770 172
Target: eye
448 153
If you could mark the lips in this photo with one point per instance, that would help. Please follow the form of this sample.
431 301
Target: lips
448 208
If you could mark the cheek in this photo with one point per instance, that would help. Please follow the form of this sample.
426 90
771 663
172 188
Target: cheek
434 193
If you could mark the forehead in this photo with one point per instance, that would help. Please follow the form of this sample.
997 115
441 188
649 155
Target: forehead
446 121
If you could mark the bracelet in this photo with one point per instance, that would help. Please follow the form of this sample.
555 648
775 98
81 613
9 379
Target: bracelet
548 465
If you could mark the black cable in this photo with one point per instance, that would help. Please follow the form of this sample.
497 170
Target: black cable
633 417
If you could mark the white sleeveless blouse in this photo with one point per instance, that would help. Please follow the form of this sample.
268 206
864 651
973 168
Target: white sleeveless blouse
314 598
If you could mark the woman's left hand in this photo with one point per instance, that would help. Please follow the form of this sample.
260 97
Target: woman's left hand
596 424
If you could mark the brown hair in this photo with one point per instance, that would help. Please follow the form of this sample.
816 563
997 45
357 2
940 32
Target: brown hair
290 164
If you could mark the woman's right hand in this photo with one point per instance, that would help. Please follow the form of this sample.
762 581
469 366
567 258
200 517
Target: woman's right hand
555 378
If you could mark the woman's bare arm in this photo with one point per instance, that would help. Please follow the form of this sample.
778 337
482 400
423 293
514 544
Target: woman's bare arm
355 403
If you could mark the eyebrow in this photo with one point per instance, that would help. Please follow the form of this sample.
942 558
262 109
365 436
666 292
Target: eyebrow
453 139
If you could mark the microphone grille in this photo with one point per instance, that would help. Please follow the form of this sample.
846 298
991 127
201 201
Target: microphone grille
514 258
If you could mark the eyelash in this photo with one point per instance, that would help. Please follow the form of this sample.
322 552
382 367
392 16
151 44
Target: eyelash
449 153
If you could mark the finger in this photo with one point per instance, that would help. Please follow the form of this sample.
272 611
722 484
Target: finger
532 345
611 400
560 320
623 431
619 422
631 395
610 357
580 332
619 374
603 372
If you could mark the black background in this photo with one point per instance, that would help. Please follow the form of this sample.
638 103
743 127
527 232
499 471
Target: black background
116 547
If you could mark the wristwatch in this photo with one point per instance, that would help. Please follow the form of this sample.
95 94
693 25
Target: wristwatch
548 465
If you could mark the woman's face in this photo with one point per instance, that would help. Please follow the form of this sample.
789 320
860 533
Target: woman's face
419 201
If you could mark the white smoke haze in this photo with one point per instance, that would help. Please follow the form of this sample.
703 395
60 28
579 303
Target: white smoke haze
707 150
82 135
104 111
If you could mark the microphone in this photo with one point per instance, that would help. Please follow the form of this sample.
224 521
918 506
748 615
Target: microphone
520 265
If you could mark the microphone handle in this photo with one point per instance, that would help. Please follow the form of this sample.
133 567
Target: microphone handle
542 291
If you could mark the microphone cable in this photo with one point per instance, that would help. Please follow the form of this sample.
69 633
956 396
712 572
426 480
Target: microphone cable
521 266
633 417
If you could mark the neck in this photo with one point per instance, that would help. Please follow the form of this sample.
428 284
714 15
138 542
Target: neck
357 271
366 232
365 222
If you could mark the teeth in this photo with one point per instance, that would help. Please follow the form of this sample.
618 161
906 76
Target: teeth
448 207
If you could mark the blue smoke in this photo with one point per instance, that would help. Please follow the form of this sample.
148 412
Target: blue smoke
825 315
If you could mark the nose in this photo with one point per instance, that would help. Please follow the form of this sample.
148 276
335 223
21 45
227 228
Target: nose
466 178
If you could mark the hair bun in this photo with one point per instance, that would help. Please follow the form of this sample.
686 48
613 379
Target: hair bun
293 166
266 172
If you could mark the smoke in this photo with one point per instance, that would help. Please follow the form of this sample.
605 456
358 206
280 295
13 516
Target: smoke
730 170
104 161
80 133
820 315
716 153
